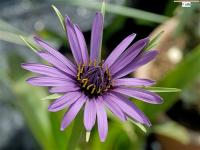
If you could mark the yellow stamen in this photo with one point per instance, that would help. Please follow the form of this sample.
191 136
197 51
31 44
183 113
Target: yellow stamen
107 71
105 90
81 70
95 62
79 67
99 91
109 76
86 81
79 74
89 86
78 77
94 88
90 63
108 87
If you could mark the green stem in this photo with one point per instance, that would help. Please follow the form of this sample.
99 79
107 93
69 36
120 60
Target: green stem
76 133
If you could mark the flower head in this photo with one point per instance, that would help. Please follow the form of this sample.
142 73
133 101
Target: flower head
92 83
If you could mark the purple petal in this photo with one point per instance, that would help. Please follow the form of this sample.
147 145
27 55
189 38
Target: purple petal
96 37
102 120
64 101
129 55
89 114
140 94
114 108
132 82
82 44
67 63
64 89
72 112
48 81
56 62
140 61
43 70
119 50
129 108
73 41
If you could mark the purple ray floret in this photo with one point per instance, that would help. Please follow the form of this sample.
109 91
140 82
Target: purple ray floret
92 84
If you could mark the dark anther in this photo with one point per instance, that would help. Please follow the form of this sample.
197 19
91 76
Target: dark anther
93 79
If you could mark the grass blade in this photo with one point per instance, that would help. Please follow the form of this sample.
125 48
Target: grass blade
60 17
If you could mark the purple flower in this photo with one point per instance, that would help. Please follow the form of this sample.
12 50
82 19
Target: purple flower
92 83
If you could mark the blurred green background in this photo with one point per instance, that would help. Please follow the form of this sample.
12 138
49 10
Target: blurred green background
26 124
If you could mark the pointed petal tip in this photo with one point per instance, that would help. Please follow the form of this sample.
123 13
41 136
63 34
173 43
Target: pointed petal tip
102 139
149 124
23 65
99 13
62 129
29 80
146 40
154 51
51 108
133 35
87 136
37 39
161 101
67 19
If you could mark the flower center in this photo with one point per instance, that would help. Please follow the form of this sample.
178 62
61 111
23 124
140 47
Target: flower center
93 79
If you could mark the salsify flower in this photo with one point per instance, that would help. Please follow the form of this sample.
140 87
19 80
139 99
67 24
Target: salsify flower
93 83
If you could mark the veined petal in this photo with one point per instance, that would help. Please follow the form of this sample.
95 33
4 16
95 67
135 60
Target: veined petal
129 108
48 81
96 37
82 43
119 50
67 63
130 54
132 82
138 62
64 101
140 94
56 62
89 114
73 41
64 89
114 108
102 120
44 70
72 112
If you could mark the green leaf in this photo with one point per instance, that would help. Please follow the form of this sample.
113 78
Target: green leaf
153 42
121 10
173 130
103 6
162 89
60 17
4 26
180 77
35 112
29 44
10 37
141 126
50 97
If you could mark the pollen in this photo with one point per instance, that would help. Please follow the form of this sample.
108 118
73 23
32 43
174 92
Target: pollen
93 79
